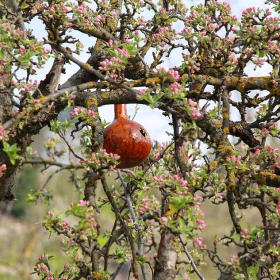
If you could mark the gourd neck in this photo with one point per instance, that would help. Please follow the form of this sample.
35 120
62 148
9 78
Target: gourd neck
120 111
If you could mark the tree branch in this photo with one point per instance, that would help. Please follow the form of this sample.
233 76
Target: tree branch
190 259
135 221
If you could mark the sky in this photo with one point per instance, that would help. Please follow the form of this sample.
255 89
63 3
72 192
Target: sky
152 119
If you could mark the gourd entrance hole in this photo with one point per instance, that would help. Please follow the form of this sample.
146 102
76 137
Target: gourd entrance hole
143 132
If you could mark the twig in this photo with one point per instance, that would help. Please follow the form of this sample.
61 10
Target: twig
122 222
136 110
47 99
70 148
191 259
266 233
49 162
90 69
135 221
177 144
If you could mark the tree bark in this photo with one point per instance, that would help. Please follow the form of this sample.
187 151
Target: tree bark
32 126
165 267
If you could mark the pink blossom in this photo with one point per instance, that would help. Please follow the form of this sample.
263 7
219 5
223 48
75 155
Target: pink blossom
199 242
3 133
49 213
3 167
183 182
83 203
142 90
201 223
196 113
192 103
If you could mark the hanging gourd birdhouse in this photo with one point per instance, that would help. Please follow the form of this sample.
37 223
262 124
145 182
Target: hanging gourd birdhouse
127 138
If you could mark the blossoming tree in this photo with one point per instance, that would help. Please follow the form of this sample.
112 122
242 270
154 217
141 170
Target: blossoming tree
157 206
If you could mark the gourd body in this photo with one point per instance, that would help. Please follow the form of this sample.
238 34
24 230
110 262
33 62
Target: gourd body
127 138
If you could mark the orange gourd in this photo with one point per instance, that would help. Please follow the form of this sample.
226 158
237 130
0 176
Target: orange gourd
127 138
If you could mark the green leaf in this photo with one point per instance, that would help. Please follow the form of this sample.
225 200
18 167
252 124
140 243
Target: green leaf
142 260
147 96
131 49
213 112
237 235
240 277
11 151
24 59
69 103
180 202
102 240
253 271
57 126
104 123
183 227
24 6
158 96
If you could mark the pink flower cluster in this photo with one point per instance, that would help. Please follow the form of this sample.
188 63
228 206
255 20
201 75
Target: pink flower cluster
190 63
166 34
177 90
82 113
10 28
201 224
233 262
259 62
164 220
186 32
83 203
91 114
245 234
49 214
3 134
234 160
26 88
148 203
261 156
110 66
3 167
65 225
57 9
251 11
41 267
116 64
142 91
172 179
37 7
76 111
95 160
163 71
195 111
92 221
198 241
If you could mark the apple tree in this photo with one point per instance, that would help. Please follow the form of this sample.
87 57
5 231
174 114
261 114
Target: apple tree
223 148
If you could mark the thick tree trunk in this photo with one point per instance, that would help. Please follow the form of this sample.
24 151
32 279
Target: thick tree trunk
165 267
